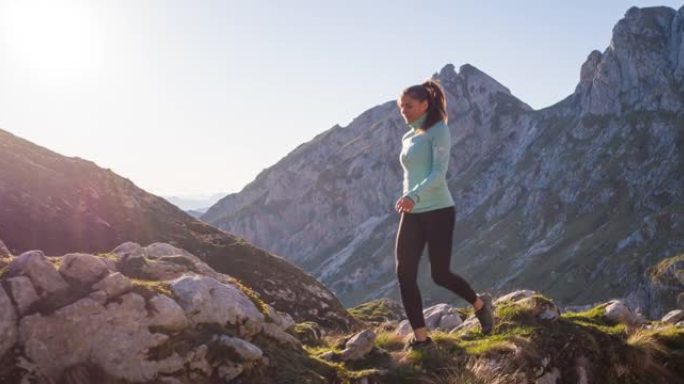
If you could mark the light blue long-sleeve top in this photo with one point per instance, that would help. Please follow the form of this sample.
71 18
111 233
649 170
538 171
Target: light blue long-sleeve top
425 160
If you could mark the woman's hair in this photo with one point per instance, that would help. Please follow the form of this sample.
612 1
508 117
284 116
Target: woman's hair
431 91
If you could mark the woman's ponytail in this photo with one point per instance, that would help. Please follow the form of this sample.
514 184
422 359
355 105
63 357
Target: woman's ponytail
436 104
431 91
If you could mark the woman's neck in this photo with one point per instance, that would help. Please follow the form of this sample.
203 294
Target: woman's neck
418 123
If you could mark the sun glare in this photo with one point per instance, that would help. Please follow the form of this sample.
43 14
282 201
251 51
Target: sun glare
54 40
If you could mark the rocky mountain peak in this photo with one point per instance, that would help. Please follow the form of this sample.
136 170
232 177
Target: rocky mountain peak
470 87
642 68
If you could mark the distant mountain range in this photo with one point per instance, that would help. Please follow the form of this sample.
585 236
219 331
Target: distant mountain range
576 200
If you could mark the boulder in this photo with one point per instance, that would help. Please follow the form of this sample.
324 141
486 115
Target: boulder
617 311
246 350
115 337
443 317
114 284
206 300
515 296
359 345
8 323
42 273
673 317
83 267
277 333
23 293
166 314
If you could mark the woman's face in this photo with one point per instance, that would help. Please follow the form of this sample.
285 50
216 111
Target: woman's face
411 108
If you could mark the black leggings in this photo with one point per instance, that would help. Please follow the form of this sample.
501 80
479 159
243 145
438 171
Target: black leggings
415 230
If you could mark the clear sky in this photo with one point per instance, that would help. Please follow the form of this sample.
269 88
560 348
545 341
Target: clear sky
193 97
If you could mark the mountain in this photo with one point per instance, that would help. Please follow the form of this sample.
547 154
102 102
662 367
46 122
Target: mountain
576 200
60 204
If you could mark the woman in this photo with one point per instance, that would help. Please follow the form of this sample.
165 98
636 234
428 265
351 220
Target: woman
427 209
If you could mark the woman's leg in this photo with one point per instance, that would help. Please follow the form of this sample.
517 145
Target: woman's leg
409 246
439 226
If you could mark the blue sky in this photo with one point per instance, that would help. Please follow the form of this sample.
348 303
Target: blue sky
194 97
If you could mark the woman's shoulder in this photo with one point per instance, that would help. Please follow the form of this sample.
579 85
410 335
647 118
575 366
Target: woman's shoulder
440 127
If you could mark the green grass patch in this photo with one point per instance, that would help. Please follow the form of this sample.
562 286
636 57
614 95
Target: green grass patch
308 332
596 318
377 311
389 340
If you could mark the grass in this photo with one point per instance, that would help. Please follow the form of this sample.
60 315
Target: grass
253 296
3 271
308 332
150 288
659 275
377 311
389 340
56 262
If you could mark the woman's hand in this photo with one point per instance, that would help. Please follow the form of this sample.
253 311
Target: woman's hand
404 204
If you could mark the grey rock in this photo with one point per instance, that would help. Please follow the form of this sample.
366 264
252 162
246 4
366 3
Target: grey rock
403 329
515 296
117 339
441 317
129 249
277 333
23 293
618 311
244 349
83 267
114 284
229 371
8 323
206 300
43 274
281 319
167 314
99 297
673 317
359 345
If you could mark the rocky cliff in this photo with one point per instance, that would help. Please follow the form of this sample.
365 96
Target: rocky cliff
577 199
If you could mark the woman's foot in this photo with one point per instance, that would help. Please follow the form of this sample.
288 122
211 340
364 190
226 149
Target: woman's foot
486 314
414 344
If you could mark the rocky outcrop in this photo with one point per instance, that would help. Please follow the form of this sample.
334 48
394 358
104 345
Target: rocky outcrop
575 200
108 316
533 342
69 205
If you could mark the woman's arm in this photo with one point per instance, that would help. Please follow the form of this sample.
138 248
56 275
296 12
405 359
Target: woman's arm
441 146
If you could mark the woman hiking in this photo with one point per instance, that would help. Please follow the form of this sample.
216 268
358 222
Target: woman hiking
427 209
